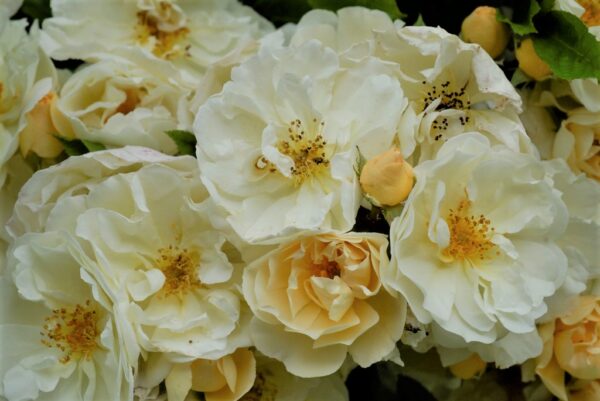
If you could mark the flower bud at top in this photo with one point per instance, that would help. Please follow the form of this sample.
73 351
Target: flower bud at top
482 27
387 178
530 63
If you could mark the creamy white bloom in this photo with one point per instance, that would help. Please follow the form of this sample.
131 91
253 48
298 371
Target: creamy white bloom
453 86
26 75
60 333
191 35
475 250
121 101
578 142
318 298
277 147
145 221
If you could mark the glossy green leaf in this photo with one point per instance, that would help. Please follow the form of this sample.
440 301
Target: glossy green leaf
566 45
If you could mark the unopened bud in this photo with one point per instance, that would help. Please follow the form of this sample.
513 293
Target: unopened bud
530 63
482 27
387 178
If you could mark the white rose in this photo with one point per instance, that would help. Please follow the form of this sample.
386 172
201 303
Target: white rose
277 146
577 142
453 87
318 298
145 220
191 35
118 102
60 334
475 250
26 75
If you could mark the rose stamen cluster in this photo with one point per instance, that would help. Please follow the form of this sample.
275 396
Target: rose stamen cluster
74 331
180 269
308 154
164 30
469 235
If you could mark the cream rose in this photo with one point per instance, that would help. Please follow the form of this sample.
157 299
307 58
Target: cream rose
452 86
189 35
577 142
62 336
240 376
26 75
282 135
318 298
475 250
145 220
571 345
119 102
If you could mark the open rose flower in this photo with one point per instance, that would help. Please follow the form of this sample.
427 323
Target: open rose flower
472 262
145 220
318 298
189 35
452 86
571 345
277 147
61 335
119 102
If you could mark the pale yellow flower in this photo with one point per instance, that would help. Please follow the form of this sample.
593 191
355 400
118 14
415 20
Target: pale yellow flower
571 345
319 297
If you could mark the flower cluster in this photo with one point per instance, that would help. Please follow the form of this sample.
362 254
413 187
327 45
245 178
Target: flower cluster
211 208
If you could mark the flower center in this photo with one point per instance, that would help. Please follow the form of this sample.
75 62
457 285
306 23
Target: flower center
308 154
327 268
262 390
469 235
591 16
180 269
451 97
74 331
162 26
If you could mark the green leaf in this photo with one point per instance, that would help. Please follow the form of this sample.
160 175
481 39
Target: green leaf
565 44
37 9
185 141
93 146
389 6
72 148
521 22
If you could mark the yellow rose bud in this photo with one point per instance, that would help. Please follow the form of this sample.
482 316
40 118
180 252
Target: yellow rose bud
530 63
387 178
38 134
469 368
482 27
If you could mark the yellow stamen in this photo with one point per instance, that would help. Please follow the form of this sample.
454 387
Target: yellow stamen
74 331
469 235
309 154
180 267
